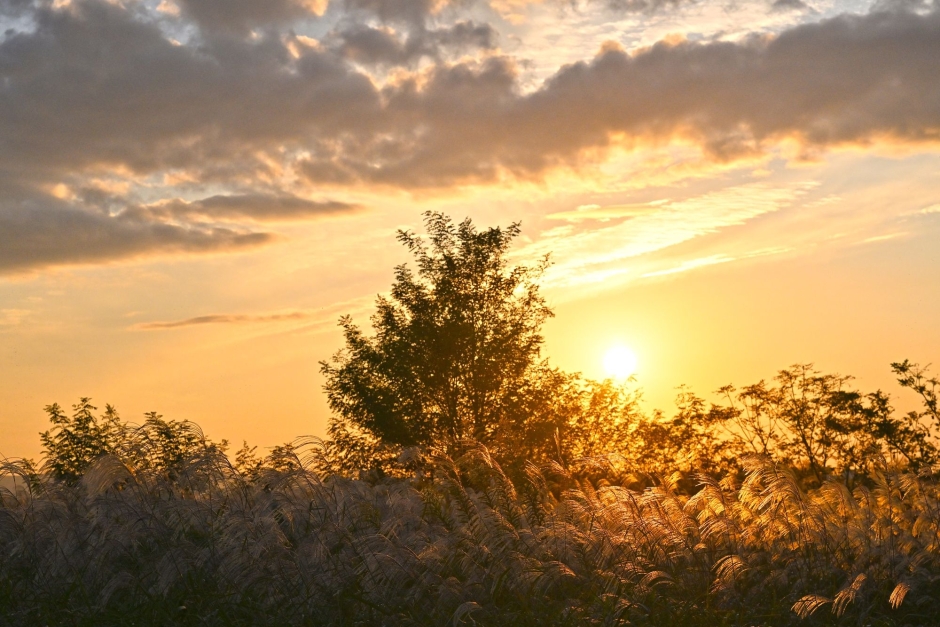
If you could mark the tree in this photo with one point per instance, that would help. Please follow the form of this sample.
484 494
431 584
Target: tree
818 424
165 446
75 443
915 378
455 347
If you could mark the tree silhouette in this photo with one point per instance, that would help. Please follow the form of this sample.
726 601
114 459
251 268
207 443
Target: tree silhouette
817 424
74 443
455 344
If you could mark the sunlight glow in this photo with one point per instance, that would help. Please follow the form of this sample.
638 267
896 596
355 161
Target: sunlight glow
620 362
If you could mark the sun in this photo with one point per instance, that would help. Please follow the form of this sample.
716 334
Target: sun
620 362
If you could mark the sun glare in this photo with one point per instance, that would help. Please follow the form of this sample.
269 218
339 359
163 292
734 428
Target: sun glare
620 362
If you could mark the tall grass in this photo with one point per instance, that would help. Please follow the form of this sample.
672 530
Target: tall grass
460 543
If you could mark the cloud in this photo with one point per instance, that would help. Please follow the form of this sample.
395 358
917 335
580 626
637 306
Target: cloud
903 5
240 16
224 319
15 8
585 213
40 232
98 89
845 81
418 11
882 238
95 226
602 253
789 5
383 46
691 264
99 86
13 317
95 89
401 11
259 207
643 6
457 123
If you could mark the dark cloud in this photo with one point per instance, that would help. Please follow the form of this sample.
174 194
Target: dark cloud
643 6
366 44
224 319
880 6
383 46
396 11
99 88
845 80
260 207
15 8
455 127
788 5
96 86
848 80
240 16
39 232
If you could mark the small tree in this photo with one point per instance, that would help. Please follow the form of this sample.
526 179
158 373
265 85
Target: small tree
819 424
165 446
454 347
75 443
915 378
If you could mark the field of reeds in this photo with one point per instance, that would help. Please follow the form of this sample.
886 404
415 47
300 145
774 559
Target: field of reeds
459 543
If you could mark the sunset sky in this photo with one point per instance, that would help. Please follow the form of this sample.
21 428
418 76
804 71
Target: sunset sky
192 192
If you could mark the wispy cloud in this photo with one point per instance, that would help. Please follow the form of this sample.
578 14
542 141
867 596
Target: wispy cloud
882 238
604 214
13 317
225 319
255 206
691 264
590 254
311 320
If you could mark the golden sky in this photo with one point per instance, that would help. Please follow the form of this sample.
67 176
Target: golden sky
193 191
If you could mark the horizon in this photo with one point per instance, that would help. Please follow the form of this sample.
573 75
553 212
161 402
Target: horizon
192 198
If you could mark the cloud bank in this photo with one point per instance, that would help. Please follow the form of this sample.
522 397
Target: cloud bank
257 207
37 233
203 96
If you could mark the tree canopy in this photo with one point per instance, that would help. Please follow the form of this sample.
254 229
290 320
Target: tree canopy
454 346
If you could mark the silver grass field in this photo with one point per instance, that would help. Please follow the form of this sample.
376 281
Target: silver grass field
458 543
